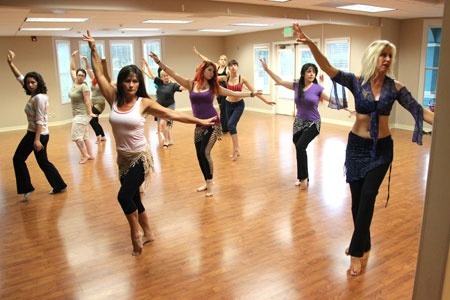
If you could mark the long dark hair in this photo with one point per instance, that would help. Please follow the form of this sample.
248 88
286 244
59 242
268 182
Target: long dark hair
199 77
41 86
123 74
301 81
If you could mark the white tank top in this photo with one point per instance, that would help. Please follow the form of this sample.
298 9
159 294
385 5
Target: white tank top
128 128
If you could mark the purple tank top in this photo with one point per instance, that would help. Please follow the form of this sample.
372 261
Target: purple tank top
202 104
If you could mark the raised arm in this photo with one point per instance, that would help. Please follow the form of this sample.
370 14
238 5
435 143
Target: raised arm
184 82
145 68
12 66
73 68
108 91
203 57
226 92
275 77
321 60
261 97
86 66
105 70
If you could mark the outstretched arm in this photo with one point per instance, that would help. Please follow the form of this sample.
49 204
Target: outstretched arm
157 110
261 97
86 65
12 66
275 77
108 91
321 60
203 57
146 69
184 82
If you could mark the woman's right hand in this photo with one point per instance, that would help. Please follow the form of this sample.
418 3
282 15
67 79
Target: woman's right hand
88 38
10 56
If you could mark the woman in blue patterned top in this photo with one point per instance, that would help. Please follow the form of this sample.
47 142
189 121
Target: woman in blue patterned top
370 146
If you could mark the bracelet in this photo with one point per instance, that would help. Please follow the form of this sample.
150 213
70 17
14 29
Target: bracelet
252 94
157 62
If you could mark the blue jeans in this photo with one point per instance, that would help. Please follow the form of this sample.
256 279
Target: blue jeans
234 112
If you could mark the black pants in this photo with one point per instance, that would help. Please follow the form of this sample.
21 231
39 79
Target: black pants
203 149
24 149
98 129
364 192
301 141
129 196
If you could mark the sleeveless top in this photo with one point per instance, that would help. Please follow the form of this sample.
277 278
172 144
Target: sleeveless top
128 128
222 83
236 87
202 104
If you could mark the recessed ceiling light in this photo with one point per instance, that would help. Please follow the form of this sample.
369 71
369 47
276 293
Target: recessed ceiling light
138 29
68 20
167 21
215 30
365 8
251 24
45 29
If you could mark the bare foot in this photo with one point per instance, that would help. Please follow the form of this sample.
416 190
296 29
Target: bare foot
304 184
147 238
202 188
355 266
137 246
235 155
26 197
209 188
84 159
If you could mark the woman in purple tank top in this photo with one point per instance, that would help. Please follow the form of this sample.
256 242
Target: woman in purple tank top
202 91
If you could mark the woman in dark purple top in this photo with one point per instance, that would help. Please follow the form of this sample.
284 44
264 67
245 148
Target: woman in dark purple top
370 146
202 91
308 95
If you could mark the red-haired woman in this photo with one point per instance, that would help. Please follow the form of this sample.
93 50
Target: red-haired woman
202 91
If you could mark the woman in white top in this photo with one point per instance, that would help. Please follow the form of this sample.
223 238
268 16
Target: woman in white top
130 105
37 136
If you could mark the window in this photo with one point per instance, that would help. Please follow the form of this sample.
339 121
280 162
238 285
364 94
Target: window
260 77
338 53
121 55
63 55
431 66
154 46
84 50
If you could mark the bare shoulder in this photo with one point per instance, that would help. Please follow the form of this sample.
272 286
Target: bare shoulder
398 85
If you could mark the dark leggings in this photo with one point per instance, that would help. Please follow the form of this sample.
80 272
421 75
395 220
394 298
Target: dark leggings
203 148
129 196
95 124
364 192
234 112
301 141
24 149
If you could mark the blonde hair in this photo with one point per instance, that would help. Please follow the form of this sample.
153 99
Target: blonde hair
370 58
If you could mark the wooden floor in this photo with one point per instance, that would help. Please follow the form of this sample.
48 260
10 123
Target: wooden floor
259 237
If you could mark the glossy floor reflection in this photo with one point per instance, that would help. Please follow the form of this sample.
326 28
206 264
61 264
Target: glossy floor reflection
258 237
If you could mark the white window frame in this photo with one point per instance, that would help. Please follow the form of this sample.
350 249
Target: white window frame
151 89
63 67
261 82
100 45
130 43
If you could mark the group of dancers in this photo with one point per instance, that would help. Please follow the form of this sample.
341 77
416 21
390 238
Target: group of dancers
369 150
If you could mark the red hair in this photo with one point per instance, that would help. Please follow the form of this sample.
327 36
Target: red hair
199 77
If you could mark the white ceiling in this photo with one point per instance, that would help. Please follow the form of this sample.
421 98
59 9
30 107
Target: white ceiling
107 17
